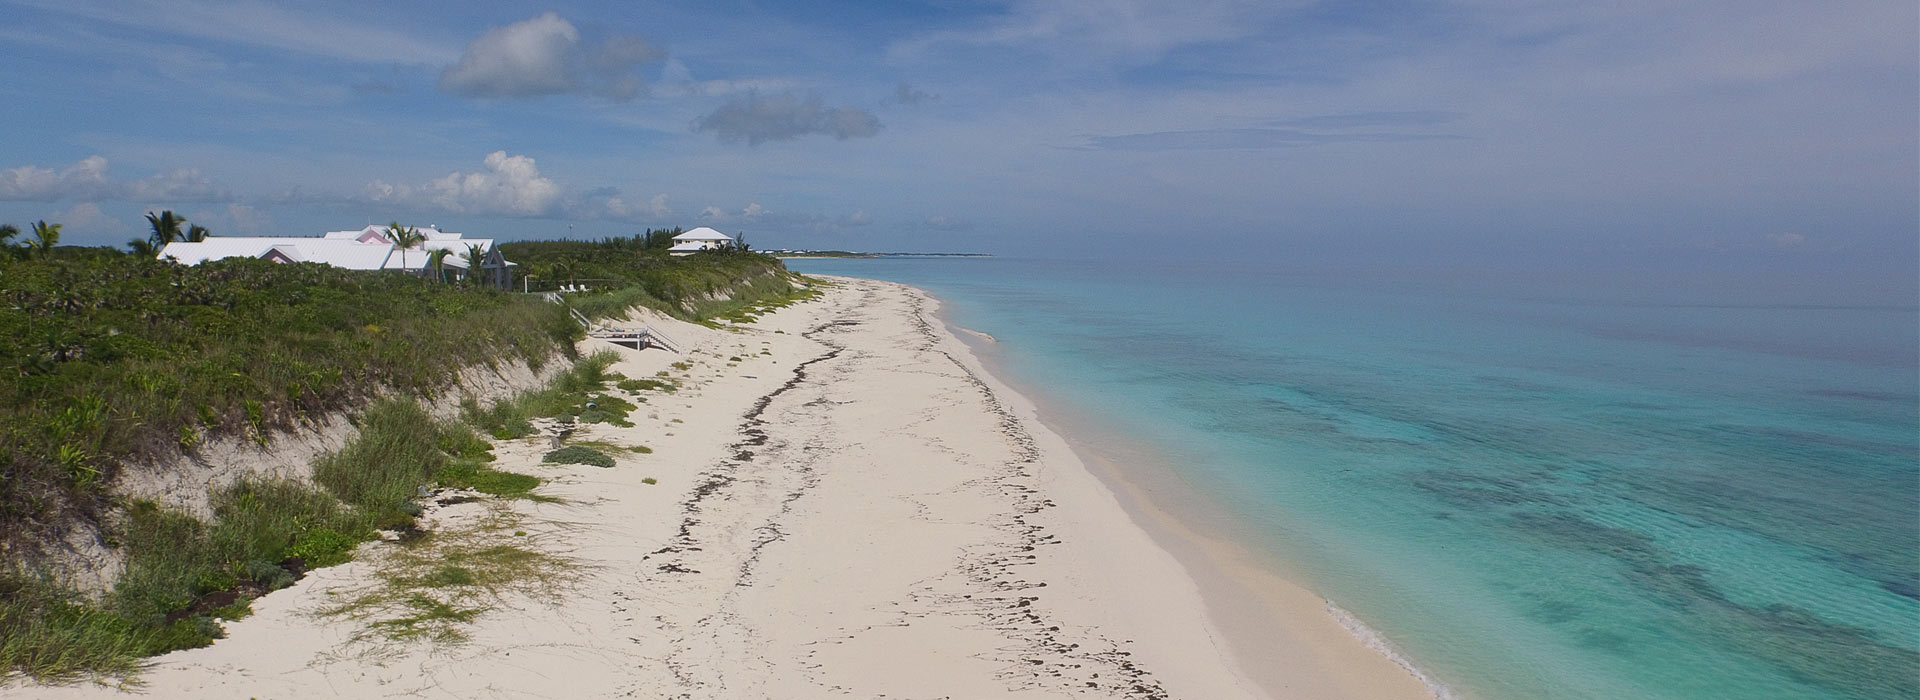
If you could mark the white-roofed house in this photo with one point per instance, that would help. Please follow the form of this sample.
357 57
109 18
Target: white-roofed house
418 260
363 249
699 239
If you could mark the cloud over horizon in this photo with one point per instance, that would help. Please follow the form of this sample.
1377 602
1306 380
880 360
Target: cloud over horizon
86 217
90 180
1461 127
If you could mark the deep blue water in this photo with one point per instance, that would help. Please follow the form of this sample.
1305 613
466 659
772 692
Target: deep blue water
1533 489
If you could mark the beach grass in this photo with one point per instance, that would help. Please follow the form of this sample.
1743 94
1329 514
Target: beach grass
51 635
381 472
639 385
119 362
430 589
578 394
748 309
182 571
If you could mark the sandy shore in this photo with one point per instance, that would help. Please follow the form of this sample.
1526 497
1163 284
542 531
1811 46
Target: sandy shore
846 505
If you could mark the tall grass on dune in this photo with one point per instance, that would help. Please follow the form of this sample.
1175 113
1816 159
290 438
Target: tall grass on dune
108 361
112 362
182 571
578 394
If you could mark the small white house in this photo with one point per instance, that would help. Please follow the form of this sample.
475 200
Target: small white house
699 239
364 249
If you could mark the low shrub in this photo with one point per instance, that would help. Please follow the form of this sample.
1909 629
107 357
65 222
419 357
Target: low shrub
463 474
576 454
637 385
322 547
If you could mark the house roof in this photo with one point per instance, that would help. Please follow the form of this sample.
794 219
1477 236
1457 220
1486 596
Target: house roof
376 233
363 249
703 234
338 253
194 253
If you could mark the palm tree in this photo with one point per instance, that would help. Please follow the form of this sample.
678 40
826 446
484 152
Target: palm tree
7 232
404 237
476 259
166 227
142 247
46 236
197 233
437 259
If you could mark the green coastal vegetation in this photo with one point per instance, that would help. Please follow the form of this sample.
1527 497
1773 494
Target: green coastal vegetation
114 365
621 273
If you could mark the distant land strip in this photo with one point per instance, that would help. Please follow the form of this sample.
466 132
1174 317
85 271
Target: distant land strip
852 254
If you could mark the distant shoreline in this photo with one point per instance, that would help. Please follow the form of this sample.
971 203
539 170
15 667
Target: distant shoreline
785 255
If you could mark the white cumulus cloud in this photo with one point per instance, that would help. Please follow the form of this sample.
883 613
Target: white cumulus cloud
547 55
83 180
511 185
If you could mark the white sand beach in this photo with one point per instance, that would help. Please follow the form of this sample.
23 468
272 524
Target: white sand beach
852 508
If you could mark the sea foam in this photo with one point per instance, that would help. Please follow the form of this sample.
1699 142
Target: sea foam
1379 643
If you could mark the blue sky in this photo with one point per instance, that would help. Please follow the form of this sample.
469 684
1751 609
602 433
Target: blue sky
1476 130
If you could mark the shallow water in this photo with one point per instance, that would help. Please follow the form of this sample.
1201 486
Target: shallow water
1533 491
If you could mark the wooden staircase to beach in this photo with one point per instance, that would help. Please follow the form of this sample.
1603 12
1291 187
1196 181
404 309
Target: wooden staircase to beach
638 338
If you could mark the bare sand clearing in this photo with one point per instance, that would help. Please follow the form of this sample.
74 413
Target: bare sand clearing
852 508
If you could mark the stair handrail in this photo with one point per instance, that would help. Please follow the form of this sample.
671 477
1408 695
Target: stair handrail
665 341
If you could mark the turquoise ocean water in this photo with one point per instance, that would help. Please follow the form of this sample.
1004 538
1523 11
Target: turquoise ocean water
1534 488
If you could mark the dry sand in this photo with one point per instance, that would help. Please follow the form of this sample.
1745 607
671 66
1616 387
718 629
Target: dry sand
853 508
